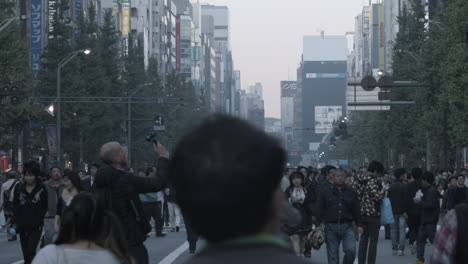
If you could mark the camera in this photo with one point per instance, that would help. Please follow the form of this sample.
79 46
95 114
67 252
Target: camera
152 138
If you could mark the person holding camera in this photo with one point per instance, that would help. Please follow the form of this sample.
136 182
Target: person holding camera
118 191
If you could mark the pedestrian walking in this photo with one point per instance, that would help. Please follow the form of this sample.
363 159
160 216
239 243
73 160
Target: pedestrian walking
338 207
457 194
54 187
370 193
119 190
174 210
7 195
297 197
29 208
414 210
88 234
398 195
451 241
152 206
212 165
429 216
88 183
72 184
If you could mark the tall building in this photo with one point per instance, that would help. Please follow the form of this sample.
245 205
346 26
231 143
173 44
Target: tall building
251 105
323 86
288 94
221 23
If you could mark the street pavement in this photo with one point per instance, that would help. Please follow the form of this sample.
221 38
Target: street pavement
174 249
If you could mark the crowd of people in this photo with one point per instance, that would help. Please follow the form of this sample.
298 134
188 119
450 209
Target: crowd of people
347 205
223 173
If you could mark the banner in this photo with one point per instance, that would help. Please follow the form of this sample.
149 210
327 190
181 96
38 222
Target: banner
36 36
381 38
76 26
125 26
52 10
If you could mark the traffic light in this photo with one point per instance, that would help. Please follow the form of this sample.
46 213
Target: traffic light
11 92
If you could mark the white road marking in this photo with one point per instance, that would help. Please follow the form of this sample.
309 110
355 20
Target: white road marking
18 262
175 254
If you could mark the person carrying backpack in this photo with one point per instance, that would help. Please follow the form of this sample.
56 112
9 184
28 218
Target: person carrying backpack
7 194
118 191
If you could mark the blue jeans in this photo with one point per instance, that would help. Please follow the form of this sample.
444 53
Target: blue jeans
425 231
335 234
398 232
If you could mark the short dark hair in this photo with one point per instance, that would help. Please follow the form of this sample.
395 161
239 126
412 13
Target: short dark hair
225 171
95 165
32 167
460 175
74 178
416 173
399 172
295 175
149 170
429 177
376 167
54 167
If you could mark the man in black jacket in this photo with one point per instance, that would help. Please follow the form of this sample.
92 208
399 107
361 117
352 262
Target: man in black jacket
223 172
414 209
398 195
430 214
88 183
338 207
119 191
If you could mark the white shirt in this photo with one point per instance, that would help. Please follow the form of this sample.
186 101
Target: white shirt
53 254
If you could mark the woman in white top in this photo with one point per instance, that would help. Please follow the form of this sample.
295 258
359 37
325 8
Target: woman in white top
297 196
88 234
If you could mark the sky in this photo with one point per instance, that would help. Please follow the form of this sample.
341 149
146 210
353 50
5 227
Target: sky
266 37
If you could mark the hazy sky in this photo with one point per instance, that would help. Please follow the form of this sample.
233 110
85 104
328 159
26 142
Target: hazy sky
266 37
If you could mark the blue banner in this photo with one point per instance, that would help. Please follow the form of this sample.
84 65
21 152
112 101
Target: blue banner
36 36
77 12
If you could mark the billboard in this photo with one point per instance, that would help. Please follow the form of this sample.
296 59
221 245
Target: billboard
36 36
125 27
325 116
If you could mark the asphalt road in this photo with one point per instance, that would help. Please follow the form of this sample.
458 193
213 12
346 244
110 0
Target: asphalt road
174 249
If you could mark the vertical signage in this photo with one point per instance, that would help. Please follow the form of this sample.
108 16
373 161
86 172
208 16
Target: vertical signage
381 38
36 36
77 13
52 10
125 27
178 51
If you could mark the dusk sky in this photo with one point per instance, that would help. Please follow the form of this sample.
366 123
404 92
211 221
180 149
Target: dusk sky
266 37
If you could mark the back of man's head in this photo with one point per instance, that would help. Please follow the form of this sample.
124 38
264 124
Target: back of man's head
398 173
225 171
416 173
376 167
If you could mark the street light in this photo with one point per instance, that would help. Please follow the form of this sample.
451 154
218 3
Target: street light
62 64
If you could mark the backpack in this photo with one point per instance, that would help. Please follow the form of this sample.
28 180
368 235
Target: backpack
7 204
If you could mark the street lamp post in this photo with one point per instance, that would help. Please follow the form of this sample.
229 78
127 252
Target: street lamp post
59 109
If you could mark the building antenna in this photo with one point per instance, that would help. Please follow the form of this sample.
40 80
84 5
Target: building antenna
289 76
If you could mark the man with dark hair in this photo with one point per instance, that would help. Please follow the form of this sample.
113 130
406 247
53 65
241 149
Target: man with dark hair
223 172
414 209
457 194
29 208
370 193
398 196
88 182
54 187
429 215
339 208
118 191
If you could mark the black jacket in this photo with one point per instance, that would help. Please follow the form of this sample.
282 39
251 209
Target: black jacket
29 209
119 192
398 195
430 206
455 196
246 254
86 184
335 205
413 208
